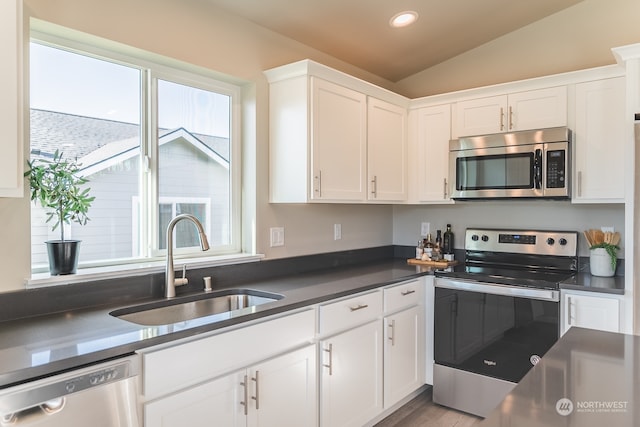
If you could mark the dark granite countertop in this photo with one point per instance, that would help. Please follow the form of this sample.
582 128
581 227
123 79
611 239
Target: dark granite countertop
36 346
587 282
588 378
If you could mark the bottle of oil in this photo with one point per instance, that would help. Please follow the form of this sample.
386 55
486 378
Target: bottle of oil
428 246
447 241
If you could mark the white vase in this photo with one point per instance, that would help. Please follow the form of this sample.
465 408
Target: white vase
600 263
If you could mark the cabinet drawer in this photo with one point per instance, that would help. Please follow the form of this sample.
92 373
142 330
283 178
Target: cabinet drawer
350 312
404 295
169 369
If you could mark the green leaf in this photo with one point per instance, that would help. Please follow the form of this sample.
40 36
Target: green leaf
611 250
57 187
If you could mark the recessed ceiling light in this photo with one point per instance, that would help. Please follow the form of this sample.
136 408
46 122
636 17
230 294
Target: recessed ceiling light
403 19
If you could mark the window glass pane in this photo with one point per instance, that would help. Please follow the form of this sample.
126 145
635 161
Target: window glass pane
89 109
165 213
193 171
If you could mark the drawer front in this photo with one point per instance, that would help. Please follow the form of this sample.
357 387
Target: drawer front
350 312
404 295
183 365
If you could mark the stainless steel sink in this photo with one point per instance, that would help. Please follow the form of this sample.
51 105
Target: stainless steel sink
236 301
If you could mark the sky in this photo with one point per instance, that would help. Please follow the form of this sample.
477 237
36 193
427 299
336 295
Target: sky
75 84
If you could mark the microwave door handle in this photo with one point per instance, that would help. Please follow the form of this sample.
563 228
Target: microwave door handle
537 169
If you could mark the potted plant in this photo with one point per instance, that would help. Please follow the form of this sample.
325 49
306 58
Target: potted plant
57 186
603 255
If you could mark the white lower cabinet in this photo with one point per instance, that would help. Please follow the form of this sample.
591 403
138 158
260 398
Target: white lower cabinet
342 363
279 392
590 311
198 406
351 379
403 354
263 374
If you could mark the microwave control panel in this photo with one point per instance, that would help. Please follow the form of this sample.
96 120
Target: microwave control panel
556 168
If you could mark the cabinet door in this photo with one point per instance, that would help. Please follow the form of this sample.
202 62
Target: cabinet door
599 140
386 151
404 354
219 401
11 106
430 155
339 138
590 312
351 379
284 391
537 109
481 116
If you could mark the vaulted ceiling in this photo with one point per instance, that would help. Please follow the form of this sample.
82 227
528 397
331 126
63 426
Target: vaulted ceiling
358 31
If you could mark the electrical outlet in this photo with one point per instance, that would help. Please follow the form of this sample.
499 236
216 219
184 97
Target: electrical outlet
277 236
609 228
337 231
425 229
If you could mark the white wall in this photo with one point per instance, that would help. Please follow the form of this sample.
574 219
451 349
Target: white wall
545 215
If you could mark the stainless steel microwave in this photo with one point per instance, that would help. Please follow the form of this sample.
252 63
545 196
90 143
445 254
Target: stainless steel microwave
526 164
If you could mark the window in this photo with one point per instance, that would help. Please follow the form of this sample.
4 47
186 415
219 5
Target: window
153 141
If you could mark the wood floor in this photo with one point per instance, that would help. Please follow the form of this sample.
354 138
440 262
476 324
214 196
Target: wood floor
422 412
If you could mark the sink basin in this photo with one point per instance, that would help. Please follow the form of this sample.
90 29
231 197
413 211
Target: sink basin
234 302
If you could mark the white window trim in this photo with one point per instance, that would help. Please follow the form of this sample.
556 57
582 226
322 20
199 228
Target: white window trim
171 69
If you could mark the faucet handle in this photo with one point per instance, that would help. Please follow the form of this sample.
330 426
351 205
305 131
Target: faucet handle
183 280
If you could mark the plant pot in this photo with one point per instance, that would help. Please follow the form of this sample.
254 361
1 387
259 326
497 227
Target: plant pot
600 263
63 256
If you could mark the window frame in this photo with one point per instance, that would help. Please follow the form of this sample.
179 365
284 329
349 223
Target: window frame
152 68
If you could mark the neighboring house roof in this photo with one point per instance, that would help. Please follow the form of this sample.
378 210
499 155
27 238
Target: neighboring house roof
80 137
119 151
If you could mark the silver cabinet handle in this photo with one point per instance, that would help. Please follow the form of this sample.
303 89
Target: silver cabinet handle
359 307
445 188
409 292
392 333
510 117
256 379
501 118
569 315
246 396
579 183
374 186
319 183
330 365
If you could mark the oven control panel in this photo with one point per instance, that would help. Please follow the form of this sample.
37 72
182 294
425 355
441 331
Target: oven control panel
538 242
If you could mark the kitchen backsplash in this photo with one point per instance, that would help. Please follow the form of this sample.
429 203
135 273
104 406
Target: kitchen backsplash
542 215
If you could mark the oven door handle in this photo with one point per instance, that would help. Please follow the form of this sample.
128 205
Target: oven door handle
498 289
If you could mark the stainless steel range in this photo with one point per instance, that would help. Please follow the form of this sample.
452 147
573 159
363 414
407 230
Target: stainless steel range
497 315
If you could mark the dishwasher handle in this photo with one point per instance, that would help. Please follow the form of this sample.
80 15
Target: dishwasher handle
31 415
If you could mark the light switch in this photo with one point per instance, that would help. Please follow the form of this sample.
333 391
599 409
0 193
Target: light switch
277 236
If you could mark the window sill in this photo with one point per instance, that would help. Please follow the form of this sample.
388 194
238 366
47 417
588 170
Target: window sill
40 280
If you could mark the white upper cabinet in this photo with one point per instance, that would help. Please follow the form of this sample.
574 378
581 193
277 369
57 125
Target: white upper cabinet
338 141
334 138
429 135
11 103
534 109
599 140
386 151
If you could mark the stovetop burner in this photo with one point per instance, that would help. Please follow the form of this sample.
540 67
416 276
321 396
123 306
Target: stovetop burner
527 258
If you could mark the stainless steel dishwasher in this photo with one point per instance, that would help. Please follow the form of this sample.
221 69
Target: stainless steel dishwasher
101 395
